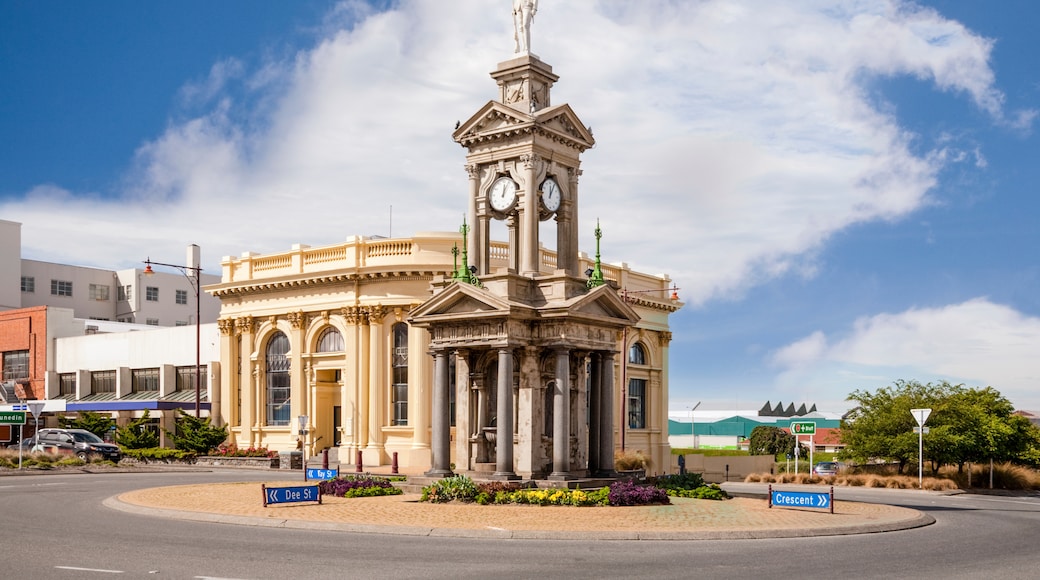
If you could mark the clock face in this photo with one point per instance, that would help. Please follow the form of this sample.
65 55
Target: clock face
550 194
502 194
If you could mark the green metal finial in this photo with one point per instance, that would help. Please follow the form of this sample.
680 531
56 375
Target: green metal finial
462 271
596 277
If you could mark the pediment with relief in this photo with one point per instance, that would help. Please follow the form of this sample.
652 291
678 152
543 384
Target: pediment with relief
459 300
603 304
493 119
562 120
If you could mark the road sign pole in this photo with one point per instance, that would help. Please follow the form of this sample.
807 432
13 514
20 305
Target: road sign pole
921 416
812 447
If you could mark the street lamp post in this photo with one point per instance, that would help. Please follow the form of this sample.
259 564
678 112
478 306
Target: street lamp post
194 276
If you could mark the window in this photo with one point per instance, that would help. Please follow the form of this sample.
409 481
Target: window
277 359
181 323
330 341
99 292
637 355
637 404
103 382
61 288
185 379
181 297
151 321
67 384
399 387
28 284
144 380
151 293
123 292
16 365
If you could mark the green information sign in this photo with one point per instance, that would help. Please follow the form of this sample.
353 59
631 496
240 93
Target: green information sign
12 417
803 428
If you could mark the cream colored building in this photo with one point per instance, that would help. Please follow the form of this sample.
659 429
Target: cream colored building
399 347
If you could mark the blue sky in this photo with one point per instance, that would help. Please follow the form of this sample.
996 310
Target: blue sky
844 192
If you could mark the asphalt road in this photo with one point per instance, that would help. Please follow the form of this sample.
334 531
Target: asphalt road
55 527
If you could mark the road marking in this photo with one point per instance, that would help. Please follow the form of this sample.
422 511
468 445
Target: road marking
89 569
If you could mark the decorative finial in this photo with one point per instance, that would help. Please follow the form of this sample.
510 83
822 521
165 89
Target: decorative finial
523 13
596 274
463 272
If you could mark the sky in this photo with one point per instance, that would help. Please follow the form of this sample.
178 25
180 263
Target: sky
844 192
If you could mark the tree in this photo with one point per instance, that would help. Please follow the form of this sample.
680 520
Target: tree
134 435
881 426
765 440
96 423
196 434
966 425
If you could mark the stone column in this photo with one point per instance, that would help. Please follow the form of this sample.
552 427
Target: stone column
350 393
595 408
504 428
440 420
463 416
606 433
567 227
529 265
377 385
248 386
364 386
562 416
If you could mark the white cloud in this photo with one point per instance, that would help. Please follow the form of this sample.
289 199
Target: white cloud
977 343
733 138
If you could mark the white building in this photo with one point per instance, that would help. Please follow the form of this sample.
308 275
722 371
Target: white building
166 298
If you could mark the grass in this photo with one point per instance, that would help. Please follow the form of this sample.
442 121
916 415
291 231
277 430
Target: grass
1005 476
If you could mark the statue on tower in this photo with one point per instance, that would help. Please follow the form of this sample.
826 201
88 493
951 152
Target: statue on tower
523 13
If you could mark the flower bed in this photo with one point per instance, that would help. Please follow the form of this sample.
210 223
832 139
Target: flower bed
358 486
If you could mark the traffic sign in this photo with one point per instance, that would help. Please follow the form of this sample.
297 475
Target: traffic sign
804 499
324 474
12 417
803 428
923 430
293 494
921 415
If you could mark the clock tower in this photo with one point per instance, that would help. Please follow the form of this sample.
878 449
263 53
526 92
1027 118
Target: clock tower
523 161
533 345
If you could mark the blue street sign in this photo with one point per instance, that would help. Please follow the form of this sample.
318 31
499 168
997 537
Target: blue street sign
20 407
322 474
290 494
805 499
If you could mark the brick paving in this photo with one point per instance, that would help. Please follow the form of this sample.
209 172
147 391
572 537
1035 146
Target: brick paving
739 517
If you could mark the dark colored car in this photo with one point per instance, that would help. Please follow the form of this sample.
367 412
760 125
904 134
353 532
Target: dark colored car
81 442
26 444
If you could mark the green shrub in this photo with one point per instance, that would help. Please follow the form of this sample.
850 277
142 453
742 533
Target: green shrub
134 435
703 492
159 453
196 434
454 488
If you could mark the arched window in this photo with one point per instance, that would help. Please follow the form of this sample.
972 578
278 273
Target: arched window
399 387
637 355
277 359
637 398
330 341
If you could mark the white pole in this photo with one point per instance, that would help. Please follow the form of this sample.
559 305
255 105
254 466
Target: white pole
920 457
812 447
796 454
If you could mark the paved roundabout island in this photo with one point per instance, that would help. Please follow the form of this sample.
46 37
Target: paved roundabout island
685 519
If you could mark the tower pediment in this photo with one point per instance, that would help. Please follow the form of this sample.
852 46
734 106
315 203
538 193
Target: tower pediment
460 301
496 122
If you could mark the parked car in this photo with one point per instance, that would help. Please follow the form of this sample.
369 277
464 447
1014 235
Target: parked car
26 444
81 442
827 468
